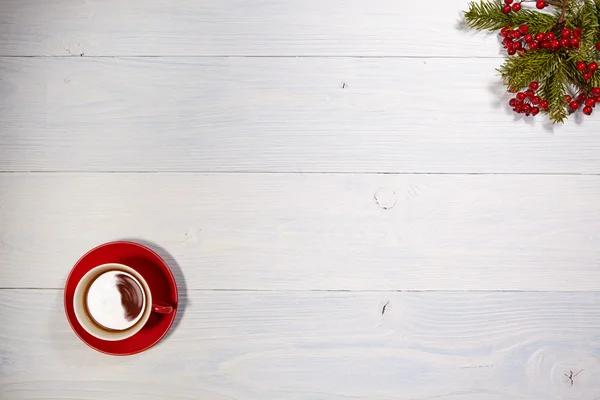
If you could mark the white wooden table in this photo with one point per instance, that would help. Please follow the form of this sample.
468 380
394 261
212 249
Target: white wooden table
300 164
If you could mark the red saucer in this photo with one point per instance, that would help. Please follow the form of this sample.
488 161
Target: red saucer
162 285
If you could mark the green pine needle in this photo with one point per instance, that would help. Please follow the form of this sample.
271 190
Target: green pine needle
554 90
518 72
587 17
487 15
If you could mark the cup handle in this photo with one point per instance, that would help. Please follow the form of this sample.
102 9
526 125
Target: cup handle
162 308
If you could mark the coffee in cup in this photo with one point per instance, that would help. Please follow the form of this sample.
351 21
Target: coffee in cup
114 302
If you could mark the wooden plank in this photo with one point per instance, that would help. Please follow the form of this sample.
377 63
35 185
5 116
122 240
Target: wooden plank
276 115
233 27
325 346
298 232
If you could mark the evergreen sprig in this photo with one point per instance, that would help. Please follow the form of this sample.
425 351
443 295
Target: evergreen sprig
487 15
587 16
553 90
560 69
518 72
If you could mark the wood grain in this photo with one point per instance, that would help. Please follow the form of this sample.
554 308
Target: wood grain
325 346
275 115
242 141
316 231
234 27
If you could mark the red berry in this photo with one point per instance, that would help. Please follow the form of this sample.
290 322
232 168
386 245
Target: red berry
535 100
504 31
521 96
591 102
528 38
581 98
544 104
534 45
516 34
535 111
523 28
527 108
587 110
581 66
574 42
534 86
540 4
565 33
587 75
539 36
508 1
518 45
554 45
598 46
596 92
564 42
574 105
506 9
568 98
518 109
577 32
545 44
519 103
511 51
529 94
516 7
592 66
512 102
549 36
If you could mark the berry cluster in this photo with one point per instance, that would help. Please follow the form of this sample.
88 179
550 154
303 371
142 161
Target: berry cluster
528 102
509 6
516 7
588 101
518 40
587 70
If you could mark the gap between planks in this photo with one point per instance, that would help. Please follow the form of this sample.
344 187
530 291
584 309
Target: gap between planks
250 172
417 57
357 291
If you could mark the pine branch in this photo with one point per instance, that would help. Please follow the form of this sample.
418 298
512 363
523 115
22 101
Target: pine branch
587 18
554 90
487 15
518 72
597 39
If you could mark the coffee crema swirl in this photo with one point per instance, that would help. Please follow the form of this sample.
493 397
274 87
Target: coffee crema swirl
131 296
115 300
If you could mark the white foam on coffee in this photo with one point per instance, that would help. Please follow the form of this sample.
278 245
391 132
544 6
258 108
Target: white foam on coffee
105 302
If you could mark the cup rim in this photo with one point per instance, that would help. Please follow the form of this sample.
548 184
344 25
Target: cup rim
118 335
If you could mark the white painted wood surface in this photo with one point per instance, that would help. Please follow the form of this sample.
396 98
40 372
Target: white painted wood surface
274 114
315 231
241 140
326 346
237 27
